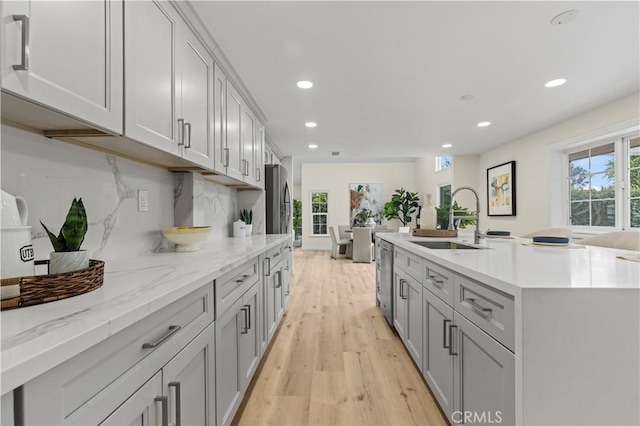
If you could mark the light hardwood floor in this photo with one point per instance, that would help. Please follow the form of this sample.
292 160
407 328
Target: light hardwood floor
334 359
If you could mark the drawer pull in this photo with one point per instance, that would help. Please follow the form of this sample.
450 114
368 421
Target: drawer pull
486 312
165 409
24 49
176 385
279 273
245 328
173 329
241 280
451 352
444 333
276 254
267 269
434 278
248 316
181 131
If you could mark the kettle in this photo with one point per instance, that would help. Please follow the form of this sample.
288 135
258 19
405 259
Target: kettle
14 211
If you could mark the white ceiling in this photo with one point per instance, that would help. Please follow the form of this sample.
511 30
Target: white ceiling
388 75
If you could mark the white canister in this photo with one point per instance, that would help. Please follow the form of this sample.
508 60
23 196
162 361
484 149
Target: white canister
239 228
14 211
17 252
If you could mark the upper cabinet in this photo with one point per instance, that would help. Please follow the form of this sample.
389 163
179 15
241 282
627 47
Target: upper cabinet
248 136
77 71
233 149
169 89
258 149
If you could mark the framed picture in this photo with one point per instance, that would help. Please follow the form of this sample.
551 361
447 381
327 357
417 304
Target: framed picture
501 190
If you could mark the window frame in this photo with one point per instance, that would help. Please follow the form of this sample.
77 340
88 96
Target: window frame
440 186
439 167
312 213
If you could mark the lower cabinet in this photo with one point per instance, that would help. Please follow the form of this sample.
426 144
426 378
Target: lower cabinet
274 299
407 316
178 394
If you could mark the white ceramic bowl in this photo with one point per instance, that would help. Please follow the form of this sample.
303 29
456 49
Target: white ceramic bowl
187 238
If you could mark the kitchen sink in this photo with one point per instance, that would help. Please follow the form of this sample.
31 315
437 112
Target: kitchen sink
445 245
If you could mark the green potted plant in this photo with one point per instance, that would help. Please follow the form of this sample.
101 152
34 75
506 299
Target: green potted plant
247 217
67 255
402 205
364 218
442 213
297 220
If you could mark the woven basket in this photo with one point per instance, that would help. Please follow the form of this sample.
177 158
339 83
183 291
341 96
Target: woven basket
49 288
440 233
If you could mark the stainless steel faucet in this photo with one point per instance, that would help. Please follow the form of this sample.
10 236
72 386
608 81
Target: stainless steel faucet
452 217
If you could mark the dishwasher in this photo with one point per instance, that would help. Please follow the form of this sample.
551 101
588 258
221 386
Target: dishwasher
384 279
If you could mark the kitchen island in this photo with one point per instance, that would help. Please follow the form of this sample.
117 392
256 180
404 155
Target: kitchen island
188 291
512 333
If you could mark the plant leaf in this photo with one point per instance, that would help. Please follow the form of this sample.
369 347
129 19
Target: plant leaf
75 226
55 242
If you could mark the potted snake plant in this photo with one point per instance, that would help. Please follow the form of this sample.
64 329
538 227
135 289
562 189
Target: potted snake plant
67 255
247 217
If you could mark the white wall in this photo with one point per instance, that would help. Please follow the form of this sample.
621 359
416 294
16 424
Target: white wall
335 178
533 165
465 173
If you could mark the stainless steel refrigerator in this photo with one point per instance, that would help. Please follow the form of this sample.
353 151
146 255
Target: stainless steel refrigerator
278 199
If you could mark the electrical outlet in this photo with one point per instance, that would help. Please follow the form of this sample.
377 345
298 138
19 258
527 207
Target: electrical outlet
143 200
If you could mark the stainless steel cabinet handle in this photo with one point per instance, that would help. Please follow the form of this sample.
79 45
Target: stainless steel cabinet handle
485 311
176 385
24 50
180 131
268 268
276 254
188 126
165 409
258 173
244 277
435 279
279 273
173 329
226 157
248 316
451 352
444 333
245 328
401 288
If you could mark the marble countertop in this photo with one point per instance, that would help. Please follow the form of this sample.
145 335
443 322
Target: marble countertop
511 266
37 338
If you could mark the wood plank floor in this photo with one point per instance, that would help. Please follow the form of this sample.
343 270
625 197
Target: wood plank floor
334 360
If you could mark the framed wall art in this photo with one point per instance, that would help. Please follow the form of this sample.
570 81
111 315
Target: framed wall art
501 190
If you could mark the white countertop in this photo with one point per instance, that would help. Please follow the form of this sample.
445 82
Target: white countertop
37 338
512 267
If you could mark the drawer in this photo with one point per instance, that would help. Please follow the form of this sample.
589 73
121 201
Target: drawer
488 308
233 284
275 256
408 262
65 394
438 280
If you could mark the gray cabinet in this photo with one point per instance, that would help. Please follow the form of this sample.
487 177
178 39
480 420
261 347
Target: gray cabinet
248 135
286 276
228 377
220 120
273 291
407 312
145 407
484 376
233 115
438 361
258 157
399 305
249 335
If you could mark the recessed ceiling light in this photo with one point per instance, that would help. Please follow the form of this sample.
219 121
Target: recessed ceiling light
484 124
304 84
555 83
466 97
565 17
310 124
447 145
313 146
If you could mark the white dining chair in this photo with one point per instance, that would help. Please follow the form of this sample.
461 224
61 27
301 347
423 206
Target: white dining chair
625 240
362 245
550 232
336 243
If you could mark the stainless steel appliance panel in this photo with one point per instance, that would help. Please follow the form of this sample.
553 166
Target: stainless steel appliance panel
278 200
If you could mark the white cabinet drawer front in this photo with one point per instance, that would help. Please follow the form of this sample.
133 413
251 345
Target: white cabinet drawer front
408 262
71 392
438 280
231 286
489 309
276 255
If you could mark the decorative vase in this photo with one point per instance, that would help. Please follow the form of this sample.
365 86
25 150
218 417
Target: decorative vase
370 223
68 261
248 228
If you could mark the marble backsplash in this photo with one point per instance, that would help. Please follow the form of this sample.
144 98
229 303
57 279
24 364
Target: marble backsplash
50 173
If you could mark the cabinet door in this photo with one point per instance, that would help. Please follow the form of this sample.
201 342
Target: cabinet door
150 72
189 382
143 408
286 284
77 70
248 129
219 120
196 69
228 377
484 375
279 295
437 363
266 297
258 154
6 412
413 324
273 302
399 303
234 135
249 335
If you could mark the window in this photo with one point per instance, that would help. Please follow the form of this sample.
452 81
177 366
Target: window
319 213
604 184
443 162
444 195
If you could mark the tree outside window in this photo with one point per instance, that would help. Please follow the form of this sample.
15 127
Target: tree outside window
319 213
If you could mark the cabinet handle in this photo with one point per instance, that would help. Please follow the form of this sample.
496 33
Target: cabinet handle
258 174
267 270
248 316
245 327
173 329
165 409
176 385
24 49
244 277
486 312
433 277
279 273
444 333
451 352
401 288
181 131
276 254
226 157
188 126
